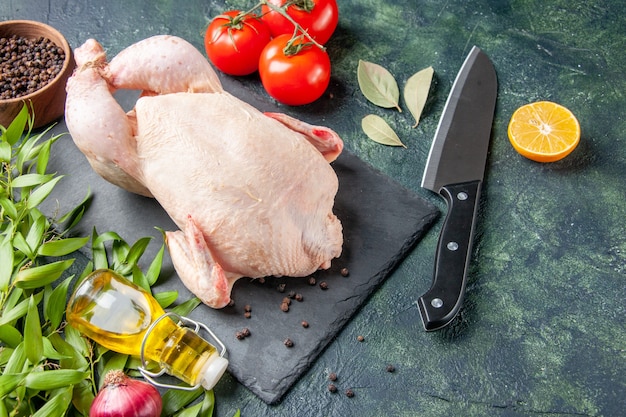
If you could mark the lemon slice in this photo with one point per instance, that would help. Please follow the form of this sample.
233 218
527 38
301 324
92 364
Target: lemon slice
544 131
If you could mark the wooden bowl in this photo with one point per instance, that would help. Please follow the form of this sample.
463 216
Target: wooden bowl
48 103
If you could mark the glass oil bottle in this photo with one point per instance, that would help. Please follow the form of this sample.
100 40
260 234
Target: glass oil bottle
125 318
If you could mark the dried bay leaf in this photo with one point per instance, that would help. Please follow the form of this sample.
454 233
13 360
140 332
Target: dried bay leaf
416 92
377 129
378 85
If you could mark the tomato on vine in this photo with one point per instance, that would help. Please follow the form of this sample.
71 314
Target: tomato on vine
318 17
234 41
293 70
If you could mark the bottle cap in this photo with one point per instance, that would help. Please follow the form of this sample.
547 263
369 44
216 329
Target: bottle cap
215 369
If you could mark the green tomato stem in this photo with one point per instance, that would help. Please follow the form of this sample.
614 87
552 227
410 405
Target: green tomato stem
297 28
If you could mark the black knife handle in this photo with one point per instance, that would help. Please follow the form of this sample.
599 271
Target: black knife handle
441 303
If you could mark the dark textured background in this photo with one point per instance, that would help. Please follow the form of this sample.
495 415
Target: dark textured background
542 330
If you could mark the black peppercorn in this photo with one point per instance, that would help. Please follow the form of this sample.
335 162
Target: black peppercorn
28 65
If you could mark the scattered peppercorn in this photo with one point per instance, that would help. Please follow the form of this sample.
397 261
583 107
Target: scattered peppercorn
287 300
324 285
284 307
247 308
332 376
360 338
247 314
332 388
391 368
292 294
281 287
312 281
344 272
349 393
288 342
305 324
299 297
242 334
27 65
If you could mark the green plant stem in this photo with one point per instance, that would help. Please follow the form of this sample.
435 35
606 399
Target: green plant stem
282 10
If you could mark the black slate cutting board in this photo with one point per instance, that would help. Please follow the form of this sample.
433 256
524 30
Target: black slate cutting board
382 222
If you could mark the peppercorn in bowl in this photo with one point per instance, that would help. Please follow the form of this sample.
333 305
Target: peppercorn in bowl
35 63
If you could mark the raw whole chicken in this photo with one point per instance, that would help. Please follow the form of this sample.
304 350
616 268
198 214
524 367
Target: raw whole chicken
252 193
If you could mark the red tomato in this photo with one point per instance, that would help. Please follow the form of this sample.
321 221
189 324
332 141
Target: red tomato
234 42
295 79
318 17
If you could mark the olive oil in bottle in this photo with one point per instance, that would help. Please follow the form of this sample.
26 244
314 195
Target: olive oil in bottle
123 317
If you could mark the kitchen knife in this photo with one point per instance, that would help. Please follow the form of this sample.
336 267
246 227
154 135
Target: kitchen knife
455 169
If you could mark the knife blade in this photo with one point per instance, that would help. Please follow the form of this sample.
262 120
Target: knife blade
455 170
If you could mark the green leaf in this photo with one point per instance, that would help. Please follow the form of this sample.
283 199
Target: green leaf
175 399
377 129
76 341
71 357
56 303
187 307
62 247
29 150
33 341
16 127
137 250
378 85
44 155
6 266
192 411
19 310
5 152
98 251
416 92
8 382
10 336
155 267
73 216
30 180
49 352
3 409
20 244
36 232
208 404
166 298
42 192
10 210
40 276
82 397
119 251
140 279
58 404
106 237
58 378
17 361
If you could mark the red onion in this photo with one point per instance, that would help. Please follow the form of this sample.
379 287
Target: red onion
122 396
